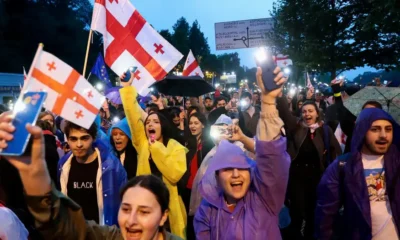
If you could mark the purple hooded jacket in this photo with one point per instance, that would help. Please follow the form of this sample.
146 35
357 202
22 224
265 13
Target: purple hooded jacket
256 216
349 189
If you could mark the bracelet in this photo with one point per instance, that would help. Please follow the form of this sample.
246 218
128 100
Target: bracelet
337 94
269 103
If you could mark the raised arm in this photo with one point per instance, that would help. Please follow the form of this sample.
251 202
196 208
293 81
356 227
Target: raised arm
287 117
56 216
273 161
170 161
134 116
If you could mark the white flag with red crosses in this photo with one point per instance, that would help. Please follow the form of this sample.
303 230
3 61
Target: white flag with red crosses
341 137
283 61
192 68
130 41
69 94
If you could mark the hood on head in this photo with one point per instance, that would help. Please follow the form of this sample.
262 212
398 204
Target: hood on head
123 126
228 155
364 122
223 119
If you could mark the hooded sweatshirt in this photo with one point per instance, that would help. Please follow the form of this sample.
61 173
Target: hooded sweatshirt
346 186
130 160
256 214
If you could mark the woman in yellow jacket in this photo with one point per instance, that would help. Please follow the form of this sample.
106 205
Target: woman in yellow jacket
158 154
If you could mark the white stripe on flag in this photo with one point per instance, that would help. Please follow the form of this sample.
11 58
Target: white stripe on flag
70 111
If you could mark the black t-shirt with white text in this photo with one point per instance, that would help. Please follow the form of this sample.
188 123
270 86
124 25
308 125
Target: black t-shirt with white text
81 187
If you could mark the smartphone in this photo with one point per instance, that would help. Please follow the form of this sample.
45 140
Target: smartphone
265 61
218 131
128 74
25 111
233 102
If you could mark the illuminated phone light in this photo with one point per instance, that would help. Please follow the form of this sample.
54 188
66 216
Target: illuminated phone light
19 107
261 55
116 119
99 86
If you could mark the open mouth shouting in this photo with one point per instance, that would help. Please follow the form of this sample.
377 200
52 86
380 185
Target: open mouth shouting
133 233
119 144
237 186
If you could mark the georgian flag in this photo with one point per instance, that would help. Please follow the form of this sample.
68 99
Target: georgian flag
309 84
192 68
283 61
130 41
69 94
341 137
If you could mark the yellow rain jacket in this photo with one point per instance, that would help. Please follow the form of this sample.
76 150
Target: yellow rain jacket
170 160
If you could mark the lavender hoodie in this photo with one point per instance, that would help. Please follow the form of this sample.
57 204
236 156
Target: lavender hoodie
256 216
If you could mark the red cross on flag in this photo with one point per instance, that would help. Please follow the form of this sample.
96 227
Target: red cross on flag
283 61
341 137
129 41
192 68
69 94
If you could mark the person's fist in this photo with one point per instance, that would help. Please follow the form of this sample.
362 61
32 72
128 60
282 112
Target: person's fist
279 79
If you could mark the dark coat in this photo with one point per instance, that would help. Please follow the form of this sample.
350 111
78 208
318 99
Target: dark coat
296 134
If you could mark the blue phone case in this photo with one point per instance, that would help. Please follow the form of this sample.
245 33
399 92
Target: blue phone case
128 74
29 108
268 66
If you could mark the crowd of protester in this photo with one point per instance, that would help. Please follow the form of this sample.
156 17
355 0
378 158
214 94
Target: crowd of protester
252 164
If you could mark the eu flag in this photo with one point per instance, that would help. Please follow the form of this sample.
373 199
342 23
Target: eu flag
100 71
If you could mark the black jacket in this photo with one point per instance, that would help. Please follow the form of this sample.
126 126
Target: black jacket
296 134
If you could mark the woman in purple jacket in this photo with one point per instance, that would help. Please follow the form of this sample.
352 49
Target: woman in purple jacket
242 198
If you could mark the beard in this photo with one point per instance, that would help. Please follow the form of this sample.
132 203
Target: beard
377 149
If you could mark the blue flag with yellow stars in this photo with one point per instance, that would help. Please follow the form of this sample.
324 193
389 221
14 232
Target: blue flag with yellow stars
100 71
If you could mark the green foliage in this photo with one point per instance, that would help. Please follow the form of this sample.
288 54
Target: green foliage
197 42
61 25
334 36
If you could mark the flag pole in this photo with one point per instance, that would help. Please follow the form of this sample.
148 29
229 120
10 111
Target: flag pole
28 77
87 52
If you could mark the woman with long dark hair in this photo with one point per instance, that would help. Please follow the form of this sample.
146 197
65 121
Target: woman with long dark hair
199 144
312 146
120 139
158 153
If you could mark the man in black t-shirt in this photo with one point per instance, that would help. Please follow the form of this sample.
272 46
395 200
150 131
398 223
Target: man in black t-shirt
90 175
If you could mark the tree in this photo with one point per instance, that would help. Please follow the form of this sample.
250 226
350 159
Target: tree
197 42
334 36
180 37
62 25
167 35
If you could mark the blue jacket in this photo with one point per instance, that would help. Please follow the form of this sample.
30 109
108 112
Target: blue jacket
113 177
349 188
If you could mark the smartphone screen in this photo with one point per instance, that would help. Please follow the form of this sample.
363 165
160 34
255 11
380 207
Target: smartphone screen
265 61
218 131
26 110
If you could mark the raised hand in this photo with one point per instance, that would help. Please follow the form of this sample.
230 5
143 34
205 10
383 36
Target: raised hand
32 168
280 79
